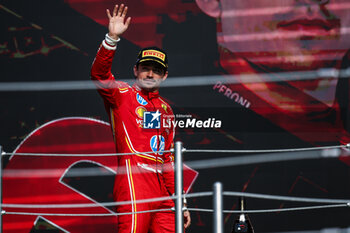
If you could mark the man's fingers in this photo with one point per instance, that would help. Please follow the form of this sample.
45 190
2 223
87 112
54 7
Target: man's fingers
187 224
125 11
108 14
120 10
127 22
187 221
115 10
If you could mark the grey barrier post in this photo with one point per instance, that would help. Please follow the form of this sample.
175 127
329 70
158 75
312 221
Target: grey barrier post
179 221
218 208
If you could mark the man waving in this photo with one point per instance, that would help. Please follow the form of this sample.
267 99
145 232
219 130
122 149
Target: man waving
135 113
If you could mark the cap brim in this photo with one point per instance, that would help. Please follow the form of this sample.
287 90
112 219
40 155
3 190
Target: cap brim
150 59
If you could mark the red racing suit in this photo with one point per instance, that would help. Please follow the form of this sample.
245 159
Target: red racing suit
141 175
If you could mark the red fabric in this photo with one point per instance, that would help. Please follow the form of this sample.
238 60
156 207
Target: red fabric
285 103
142 184
37 179
142 175
146 16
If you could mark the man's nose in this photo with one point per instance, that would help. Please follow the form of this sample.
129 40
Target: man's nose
150 73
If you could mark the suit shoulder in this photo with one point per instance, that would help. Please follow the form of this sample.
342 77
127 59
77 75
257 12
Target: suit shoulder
122 86
167 108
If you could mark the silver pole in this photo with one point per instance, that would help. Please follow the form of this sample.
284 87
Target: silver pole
179 221
218 208
1 189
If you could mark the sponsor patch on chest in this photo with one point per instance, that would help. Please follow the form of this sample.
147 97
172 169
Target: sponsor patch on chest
141 100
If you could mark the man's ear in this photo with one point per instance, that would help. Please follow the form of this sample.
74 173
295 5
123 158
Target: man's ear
165 76
210 7
135 71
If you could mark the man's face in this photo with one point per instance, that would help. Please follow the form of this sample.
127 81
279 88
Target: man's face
286 34
149 75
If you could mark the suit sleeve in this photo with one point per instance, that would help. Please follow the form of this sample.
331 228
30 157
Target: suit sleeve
168 167
102 76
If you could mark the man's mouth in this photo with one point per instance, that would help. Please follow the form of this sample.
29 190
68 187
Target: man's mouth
149 81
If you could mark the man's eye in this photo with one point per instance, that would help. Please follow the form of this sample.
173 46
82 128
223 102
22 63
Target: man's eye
157 71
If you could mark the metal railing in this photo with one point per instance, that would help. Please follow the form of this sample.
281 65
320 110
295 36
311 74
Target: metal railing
217 193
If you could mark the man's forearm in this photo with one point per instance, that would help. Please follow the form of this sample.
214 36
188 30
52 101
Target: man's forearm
101 67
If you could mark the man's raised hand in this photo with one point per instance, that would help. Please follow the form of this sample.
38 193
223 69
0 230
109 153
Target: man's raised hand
117 23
